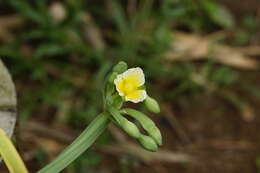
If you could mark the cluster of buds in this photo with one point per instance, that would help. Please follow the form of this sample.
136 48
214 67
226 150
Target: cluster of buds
128 85
122 85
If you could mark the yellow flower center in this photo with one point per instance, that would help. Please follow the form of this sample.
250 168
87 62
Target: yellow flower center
128 85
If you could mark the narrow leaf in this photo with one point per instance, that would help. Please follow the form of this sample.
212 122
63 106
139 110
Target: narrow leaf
81 144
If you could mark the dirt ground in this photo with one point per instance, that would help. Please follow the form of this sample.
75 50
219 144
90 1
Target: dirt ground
214 134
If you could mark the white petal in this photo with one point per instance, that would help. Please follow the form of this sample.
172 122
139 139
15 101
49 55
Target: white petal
118 79
136 71
139 99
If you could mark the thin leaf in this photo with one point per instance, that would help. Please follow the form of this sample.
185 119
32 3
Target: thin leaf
81 144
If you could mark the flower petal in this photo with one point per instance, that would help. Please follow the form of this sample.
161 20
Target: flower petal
136 96
119 83
135 74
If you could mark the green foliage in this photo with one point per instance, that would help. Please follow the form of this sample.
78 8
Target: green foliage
224 76
79 145
218 14
249 26
86 162
198 14
58 62
258 164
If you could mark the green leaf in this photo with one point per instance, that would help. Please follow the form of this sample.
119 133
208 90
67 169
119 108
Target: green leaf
28 11
51 49
81 144
219 14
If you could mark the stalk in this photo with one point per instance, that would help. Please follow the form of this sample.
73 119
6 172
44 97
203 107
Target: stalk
81 144
10 156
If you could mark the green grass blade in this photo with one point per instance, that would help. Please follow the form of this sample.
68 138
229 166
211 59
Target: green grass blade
81 144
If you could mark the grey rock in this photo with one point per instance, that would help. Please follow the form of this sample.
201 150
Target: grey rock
8 101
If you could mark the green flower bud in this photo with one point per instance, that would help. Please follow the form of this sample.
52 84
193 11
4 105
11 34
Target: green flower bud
152 105
110 88
148 143
146 123
112 77
155 133
120 67
117 101
131 129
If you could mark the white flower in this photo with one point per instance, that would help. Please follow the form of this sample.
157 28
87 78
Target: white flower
129 85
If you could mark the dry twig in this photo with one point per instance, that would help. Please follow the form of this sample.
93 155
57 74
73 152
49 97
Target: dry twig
187 47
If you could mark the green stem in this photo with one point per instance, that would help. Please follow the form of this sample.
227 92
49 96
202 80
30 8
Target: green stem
81 144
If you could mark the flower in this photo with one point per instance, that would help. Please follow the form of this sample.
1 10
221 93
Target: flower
129 85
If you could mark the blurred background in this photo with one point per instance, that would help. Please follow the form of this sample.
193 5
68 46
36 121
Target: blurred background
201 61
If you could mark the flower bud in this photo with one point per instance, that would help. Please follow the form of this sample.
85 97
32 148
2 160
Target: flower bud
110 88
148 143
112 77
120 67
155 133
131 129
152 105
117 101
146 123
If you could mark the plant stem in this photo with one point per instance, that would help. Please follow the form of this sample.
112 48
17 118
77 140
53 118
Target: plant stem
81 144
10 156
